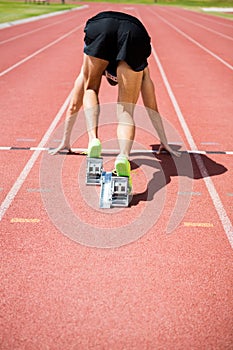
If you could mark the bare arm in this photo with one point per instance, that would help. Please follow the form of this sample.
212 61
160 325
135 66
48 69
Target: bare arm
149 100
71 114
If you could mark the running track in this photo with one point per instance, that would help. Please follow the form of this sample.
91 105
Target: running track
171 286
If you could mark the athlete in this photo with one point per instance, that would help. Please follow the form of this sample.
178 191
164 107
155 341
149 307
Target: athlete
117 45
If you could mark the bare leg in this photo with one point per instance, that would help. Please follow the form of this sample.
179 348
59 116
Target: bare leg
92 69
129 89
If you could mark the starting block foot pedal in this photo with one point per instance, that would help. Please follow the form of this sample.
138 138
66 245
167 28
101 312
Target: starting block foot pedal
94 171
114 191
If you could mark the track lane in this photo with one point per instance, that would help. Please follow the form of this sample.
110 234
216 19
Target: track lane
199 23
160 291
211 43
30 45
23 29
223 25
183 103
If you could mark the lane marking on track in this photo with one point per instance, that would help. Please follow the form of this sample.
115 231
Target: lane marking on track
226 223
38 190
39 51
23 220
218 9
26 170
210 18
36 18
200 25
198 224
40 28
194 41
25 140
188 193
109 150
215 21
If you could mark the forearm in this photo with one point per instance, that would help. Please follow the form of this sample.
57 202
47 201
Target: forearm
149 100
69 123
158 125
72 112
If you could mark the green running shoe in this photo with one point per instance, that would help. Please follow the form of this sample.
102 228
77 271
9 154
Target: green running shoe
122 166
94 149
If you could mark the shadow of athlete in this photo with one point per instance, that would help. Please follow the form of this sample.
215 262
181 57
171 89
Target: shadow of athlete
185 166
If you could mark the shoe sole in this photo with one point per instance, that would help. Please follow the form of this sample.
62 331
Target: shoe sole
95 151
122 169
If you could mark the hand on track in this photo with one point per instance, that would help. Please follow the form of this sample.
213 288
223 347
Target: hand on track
168 149
62 147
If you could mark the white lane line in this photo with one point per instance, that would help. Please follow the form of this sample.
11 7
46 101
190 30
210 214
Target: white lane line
194 41
3 148
26 170
110 150
40 50
226 223
217 9
36 18
199 25
208 19
33 31
42 27
211 18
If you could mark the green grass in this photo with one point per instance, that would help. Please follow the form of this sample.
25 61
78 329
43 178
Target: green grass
11 11
14 10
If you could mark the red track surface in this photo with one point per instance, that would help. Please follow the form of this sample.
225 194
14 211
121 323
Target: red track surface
163 290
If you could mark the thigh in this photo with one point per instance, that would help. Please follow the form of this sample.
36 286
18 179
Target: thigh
129 83
93 69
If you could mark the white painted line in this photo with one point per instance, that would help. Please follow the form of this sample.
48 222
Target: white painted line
39 51
195 42
226 223
217 9
25 140
214 19
38 190
39 148
26 170
188 193
200 25
5 148
37 18
112 150
197 152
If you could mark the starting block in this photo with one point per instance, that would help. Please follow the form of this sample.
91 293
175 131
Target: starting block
114 191
94 171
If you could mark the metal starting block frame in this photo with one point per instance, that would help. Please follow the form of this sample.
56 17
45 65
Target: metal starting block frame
114 191
94 171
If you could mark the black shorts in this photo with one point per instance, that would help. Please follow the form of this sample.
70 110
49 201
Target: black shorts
115 36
